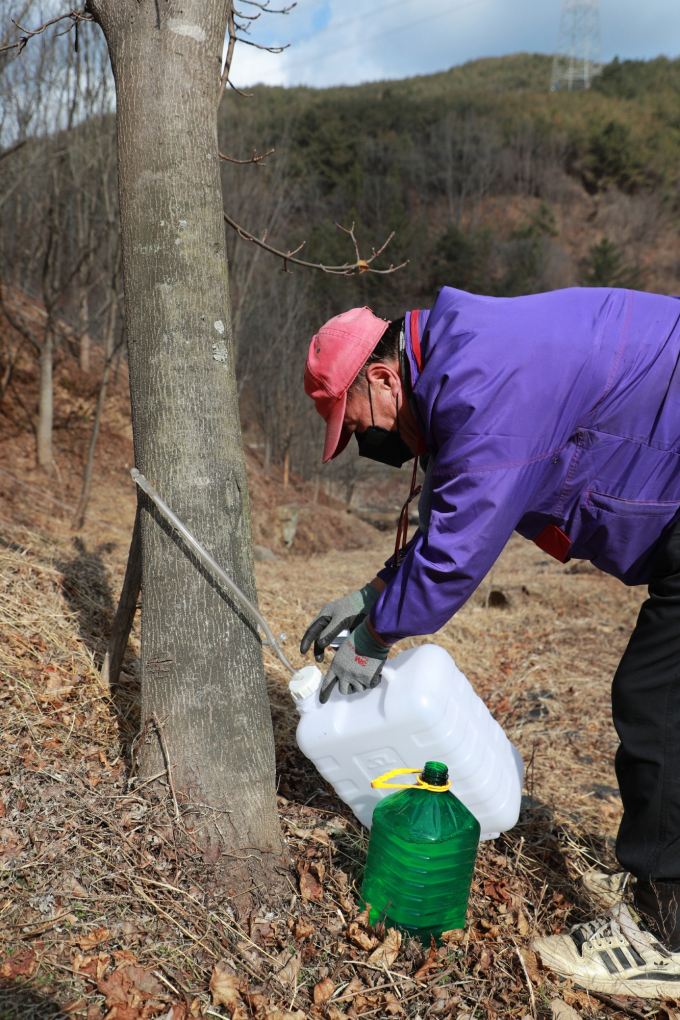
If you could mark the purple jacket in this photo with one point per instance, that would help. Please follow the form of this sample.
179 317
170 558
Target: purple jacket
556 415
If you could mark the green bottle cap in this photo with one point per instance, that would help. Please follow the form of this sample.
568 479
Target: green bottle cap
435 773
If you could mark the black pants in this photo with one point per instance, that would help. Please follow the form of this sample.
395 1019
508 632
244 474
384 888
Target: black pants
646 711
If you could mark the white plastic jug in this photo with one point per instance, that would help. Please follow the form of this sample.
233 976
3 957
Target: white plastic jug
424 709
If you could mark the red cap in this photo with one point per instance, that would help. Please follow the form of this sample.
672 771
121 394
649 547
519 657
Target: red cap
336 355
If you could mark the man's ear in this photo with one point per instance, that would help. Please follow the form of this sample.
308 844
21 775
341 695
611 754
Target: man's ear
385 375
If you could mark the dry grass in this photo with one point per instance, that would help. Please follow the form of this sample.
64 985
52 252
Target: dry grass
84 856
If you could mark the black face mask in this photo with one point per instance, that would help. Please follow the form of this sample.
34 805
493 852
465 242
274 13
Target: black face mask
381 444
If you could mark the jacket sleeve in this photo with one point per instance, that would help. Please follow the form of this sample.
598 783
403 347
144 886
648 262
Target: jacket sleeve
388 571
474 512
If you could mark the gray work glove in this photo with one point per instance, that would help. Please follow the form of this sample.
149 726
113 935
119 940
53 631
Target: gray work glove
357 665
343 614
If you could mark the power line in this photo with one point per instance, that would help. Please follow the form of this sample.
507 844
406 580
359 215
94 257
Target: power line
350 21
383 35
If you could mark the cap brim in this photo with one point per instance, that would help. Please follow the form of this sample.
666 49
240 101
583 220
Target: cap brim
337 436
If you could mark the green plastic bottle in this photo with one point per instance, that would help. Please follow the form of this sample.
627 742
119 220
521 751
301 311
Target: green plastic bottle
421 856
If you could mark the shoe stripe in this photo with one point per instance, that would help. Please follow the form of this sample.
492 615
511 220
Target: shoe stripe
623 959
654 976
639 960
608 962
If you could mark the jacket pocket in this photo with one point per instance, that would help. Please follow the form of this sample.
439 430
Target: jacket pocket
630 507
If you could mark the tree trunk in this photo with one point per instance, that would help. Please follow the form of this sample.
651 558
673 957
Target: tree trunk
83 335
46 402
202 672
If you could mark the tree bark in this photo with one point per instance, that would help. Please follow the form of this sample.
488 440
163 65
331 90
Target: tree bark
46 402
202 672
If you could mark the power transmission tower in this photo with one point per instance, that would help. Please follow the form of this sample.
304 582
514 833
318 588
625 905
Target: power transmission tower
578 57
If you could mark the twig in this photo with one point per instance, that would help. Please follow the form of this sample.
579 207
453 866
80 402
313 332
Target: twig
259 46
348 269
166 982
528 980
614 1004
257 160
74 15
161 736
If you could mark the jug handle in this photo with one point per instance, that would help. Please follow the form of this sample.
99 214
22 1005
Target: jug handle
381 784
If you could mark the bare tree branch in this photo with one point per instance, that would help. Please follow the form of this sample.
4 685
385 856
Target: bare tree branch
349 269
257 160
28 33
231 29
269 10
18 145
259 46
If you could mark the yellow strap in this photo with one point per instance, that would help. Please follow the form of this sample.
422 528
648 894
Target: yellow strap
381 784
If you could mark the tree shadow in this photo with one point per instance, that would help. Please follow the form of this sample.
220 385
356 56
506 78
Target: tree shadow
23 1003
87 591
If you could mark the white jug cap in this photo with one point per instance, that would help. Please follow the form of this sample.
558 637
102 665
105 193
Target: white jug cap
305 682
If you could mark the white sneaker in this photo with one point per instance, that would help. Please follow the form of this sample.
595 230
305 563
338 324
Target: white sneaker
614 955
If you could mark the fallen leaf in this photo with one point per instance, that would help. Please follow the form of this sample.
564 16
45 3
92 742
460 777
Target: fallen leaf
387 951
115 988
359 937
323 991
280 1014
355 985
303 928
318 869
94 1012
71 886
94 938
143 980
258 1003
451 937
19 964
497 891
310 888
225 987
523 926
432 961
392 1004
321 835
561 1011
72 1006
362 1002
176 1012
123 956
362 918
290 970
93 780
91 966
531 965
333 1013
128 987
212 855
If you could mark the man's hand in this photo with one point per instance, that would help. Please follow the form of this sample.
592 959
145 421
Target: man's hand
357 665
343 614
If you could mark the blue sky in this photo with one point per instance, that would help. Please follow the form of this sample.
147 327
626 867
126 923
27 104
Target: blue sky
348 41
